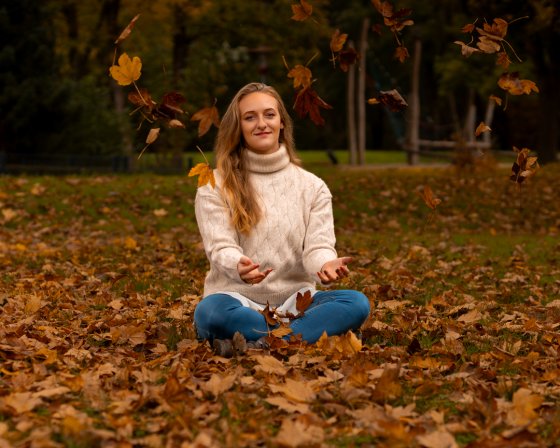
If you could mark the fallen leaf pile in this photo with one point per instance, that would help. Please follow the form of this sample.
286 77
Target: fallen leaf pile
99 278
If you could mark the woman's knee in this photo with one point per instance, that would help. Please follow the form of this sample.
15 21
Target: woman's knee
360 303
213 308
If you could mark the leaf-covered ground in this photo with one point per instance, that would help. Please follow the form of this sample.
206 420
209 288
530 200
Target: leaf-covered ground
99 277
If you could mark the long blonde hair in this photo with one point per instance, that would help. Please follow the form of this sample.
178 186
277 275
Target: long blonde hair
238 191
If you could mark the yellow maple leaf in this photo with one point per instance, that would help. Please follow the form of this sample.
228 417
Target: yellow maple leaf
302 76
205 174
127 70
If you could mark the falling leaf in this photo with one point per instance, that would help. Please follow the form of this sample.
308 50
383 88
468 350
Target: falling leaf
346 58
390 98
525 165
466 50
338 40
176 124
269 316
207 117
303 301
151 137
482 127
511 83
496 99
126 71
468 28
302 76
401 53
126 32
302 11
205 174
308 102
428 196
170 105
503 60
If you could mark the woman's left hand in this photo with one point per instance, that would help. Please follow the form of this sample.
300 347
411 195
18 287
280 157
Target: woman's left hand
334 270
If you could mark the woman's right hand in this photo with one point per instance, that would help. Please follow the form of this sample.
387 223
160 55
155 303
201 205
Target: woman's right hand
249 271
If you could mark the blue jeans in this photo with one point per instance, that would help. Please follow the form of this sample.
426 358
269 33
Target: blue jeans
220 316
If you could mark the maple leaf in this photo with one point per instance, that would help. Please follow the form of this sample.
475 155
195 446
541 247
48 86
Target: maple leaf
468 28
127 70
384 8
302 76
126 32
142 98
308 102
170 105
511 83
523 407
503 60
495 31
482 127
525 165
302 11
338 40
207 117
346 58
303 301
390 98
205 174
428 196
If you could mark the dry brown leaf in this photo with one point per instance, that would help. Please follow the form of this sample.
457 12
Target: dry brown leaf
481 128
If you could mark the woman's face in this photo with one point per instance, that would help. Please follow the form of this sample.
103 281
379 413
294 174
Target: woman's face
260 122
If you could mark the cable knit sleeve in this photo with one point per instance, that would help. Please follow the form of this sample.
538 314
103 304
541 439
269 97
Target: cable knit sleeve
219 237
319 242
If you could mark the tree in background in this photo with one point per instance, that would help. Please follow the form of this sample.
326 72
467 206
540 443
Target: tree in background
43 111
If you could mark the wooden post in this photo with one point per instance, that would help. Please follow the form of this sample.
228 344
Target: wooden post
351 111
413 156
361 93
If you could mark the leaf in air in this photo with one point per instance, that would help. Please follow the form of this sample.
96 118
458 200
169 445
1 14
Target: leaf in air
346 58
488 45
482 127
142 98
496 99
428 196
302 76
338 40
269 315
170 105
302 11
468 28
496 31
308 102
126 32
511 83
503 60
401 53
390 98
205 174
384 8
303 301
466 50
152 135
127 70
206 117
524 167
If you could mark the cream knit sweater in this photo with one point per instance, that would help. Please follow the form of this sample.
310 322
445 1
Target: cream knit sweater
295 236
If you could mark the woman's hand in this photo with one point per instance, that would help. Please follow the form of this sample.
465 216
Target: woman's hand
334 270
249 271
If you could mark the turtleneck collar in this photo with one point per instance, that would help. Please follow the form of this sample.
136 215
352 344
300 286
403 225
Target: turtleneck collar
267 163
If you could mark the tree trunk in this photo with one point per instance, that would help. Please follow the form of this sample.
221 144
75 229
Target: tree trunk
412 155
361 94
351 111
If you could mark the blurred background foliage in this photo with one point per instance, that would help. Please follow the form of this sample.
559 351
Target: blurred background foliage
56 95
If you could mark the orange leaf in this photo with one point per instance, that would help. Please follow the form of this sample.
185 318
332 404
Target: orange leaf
468 28
496 99
152 135
269 316
522 411
303 301
482 127
308 102
302 76
337 41
524 166
208 116
502 60
401 53
302 11
205 174
428 196
127 70
511 83
126 32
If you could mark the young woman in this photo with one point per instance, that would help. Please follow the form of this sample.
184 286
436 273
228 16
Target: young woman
268 232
